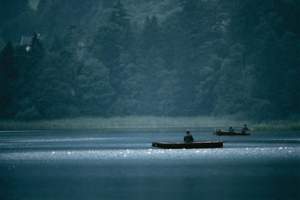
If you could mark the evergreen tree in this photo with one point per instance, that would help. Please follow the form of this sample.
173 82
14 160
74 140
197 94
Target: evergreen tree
8 75
151 36
114 50
94 89
29 61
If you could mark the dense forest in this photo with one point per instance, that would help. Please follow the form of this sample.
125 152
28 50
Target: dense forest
62 58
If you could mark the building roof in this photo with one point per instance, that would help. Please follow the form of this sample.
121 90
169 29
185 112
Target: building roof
25 41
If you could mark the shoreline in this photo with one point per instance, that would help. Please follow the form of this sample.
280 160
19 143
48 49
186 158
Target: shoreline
145 124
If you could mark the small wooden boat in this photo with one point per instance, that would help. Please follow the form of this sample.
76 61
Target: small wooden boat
230 133
193 145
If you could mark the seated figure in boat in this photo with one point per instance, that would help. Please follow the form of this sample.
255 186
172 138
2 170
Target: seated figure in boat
188 138
218 131
231 130
245 129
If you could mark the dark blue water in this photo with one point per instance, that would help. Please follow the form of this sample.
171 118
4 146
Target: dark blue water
42 165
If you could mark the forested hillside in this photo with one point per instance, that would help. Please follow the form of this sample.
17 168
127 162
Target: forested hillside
62 58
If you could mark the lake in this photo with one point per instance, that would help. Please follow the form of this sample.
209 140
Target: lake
44 165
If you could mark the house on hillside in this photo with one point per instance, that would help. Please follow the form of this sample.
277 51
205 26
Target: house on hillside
26 41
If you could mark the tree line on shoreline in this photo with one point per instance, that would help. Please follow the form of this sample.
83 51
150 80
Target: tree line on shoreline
211 57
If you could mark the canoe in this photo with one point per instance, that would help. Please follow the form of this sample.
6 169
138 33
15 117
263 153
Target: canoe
194 145
228 133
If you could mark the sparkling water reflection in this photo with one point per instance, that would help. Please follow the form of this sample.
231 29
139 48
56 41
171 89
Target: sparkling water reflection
92 165
157 154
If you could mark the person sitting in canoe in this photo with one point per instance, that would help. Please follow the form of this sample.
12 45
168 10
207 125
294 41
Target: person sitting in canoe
231 130
218 130
188 138
245 129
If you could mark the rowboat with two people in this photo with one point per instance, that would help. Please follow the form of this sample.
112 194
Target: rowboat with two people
231 132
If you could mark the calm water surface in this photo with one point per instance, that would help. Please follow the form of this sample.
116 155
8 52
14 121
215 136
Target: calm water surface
44 165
